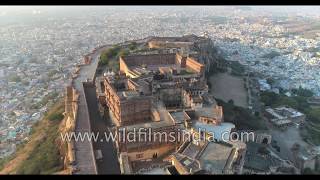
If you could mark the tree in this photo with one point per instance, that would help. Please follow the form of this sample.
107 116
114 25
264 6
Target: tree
231 102
308 171
241 117
133 46
314 115
263 150
302 103
122 52
269 98
114 65
270 81
112 53
14 78
104 58
303 92
52 72
287 101
55 117
237 68
281 90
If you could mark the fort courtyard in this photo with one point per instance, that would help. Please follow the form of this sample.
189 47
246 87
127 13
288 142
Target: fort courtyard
227 87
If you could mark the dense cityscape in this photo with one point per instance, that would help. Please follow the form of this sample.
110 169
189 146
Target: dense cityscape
39 55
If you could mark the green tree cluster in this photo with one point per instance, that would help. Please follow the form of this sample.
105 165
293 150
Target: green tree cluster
237 69
314 115
114 65
123 52
241 117
112 53
302 92
52 72
133 46
274 100
109 54
14 78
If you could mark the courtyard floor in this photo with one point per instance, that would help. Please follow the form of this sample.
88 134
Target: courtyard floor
226 87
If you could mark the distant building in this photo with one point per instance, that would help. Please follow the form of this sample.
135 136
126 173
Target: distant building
306 157
2 73
260 160
288 94
264 86
284 116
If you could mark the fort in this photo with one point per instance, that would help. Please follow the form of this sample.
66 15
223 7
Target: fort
163 90
136 99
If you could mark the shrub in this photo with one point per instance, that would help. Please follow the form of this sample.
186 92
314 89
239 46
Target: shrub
231 102
303 92
133 46
241 117
55 117
237 69
15 78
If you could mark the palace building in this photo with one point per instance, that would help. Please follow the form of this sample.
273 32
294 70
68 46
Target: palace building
154 95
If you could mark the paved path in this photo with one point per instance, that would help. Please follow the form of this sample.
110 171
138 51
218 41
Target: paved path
109 164
84 156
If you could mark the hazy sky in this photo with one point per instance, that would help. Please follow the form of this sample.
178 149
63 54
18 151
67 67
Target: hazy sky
294 9
15 8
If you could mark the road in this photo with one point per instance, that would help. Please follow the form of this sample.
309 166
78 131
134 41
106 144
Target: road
109 164
84 155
